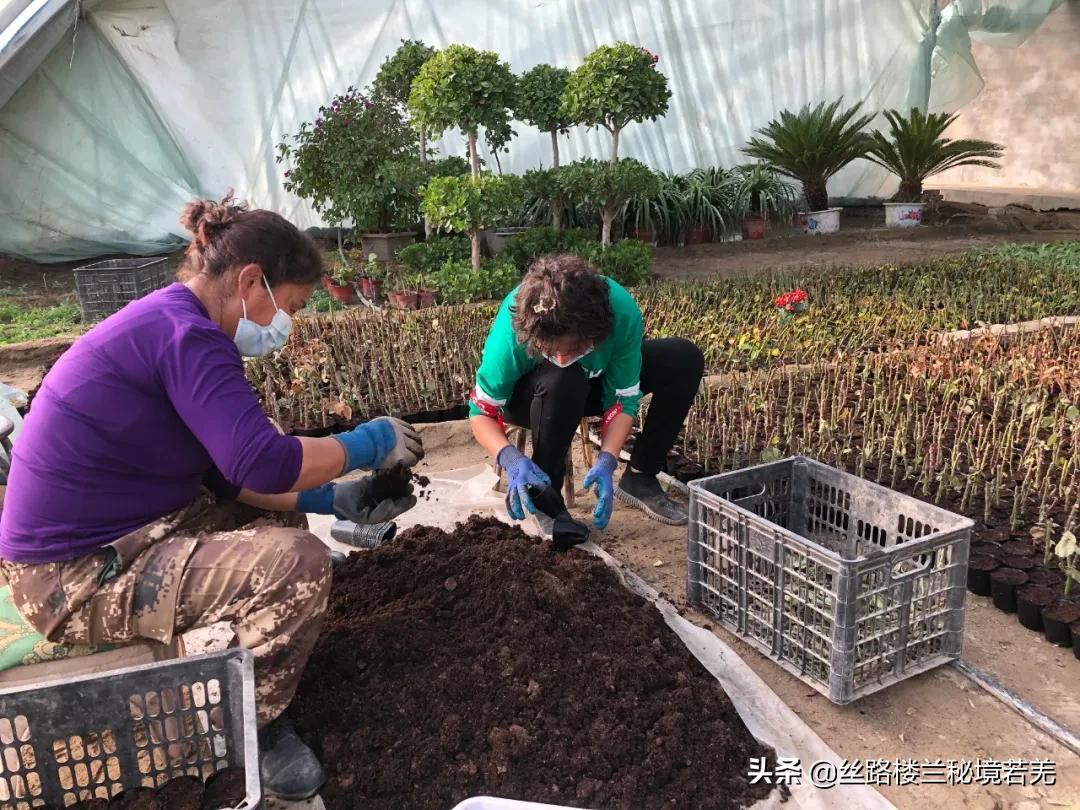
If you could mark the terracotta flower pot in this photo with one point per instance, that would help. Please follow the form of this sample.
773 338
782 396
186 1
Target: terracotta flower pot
753 228
697 235
370 288
412 299
339 292
646 235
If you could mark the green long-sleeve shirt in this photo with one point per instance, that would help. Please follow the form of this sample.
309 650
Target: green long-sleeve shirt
617 360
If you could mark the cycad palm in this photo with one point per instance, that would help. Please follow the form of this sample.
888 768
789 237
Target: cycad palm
812 145
914 149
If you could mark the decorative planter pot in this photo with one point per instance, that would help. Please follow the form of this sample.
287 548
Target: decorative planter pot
903 215
697 235
412 299
370 288
497 239
646 235
815 222
385 245
753 228
339 292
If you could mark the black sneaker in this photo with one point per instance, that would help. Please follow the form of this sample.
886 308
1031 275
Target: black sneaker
288 768
645 493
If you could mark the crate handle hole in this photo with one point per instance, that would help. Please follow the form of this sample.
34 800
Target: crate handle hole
910 566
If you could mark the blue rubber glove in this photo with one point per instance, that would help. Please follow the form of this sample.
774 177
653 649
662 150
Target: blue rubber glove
521 473
601 475
381 444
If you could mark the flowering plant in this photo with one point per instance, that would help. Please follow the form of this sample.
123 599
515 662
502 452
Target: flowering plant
791 302
354 163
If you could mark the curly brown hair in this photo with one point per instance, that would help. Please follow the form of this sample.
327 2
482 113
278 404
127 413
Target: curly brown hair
561 298
226 234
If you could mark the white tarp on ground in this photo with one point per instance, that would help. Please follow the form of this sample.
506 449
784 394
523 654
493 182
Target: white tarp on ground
150 102
457 494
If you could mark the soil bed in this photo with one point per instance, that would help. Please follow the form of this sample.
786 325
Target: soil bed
482 663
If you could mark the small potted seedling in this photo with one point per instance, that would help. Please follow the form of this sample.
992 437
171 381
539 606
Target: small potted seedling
339 280
371 278
410 293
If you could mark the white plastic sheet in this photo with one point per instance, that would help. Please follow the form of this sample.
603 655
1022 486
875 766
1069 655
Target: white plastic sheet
166 98
456 494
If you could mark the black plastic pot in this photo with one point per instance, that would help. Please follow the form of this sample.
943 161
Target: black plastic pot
1056 622
1020 547
1046 576
1019 562
1076 639
1030 602
1003 585
988 547
980 567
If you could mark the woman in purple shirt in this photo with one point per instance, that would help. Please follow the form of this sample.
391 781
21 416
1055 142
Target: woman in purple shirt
139 495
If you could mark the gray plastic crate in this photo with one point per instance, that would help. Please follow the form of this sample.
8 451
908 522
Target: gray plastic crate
846 584
95 735
106 287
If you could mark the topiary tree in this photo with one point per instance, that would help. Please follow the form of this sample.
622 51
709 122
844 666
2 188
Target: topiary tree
615 85
467 204
606 188
539 102
394 80
348 164
464 88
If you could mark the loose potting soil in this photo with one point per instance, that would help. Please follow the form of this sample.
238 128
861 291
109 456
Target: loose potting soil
400 482
480 662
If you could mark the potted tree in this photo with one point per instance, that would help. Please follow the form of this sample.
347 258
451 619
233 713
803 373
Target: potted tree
916 148
704 204
544 188
758 195
394 80
606 188
346 163
467 205
539 102
616 84
468 89
811 146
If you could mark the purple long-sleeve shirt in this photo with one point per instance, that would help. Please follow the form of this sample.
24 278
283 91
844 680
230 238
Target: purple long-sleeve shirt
128 425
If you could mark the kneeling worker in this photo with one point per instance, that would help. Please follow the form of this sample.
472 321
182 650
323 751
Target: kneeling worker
567 343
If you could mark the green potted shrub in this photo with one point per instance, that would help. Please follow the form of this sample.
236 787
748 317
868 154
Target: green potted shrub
545 196
705 205
539 103
916 148
606 188
347 164
760 195
394 80
468 205
339 278
811 146
615 85
471 90
372 275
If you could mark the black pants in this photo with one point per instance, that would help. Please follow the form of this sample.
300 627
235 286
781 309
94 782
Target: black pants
551 402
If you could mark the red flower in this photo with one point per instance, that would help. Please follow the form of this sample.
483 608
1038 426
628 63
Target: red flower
652 57
790 300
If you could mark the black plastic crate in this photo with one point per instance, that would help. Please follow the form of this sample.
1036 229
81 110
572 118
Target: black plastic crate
106 287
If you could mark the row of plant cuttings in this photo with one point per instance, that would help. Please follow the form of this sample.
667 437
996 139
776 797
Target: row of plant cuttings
991 431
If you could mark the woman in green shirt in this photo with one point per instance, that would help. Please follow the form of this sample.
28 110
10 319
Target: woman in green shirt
568 343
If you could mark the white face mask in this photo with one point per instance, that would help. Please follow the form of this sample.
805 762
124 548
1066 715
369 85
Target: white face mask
567 363
256 340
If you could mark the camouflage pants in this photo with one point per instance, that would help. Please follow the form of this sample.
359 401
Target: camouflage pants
208 563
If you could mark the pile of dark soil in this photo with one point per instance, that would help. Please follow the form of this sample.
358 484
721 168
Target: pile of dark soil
399 482
224 789
482 663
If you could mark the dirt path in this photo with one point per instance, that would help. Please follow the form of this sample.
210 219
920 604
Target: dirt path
937 715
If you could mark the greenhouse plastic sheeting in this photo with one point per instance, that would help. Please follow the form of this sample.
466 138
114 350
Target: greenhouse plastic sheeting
152 101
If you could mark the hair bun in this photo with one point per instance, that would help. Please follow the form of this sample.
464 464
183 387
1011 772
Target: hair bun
202 217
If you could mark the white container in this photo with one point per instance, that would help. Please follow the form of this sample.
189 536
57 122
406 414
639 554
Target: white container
815 222
903 215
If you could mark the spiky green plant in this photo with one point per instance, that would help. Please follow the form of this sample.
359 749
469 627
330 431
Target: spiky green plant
915 148
758 191
812 145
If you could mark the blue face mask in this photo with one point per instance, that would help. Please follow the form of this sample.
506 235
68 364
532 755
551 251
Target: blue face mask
256 340
567 363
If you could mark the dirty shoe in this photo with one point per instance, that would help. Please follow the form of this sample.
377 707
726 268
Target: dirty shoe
545 524
288 768
645 493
